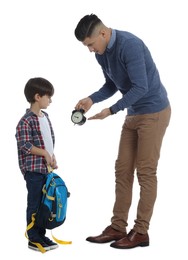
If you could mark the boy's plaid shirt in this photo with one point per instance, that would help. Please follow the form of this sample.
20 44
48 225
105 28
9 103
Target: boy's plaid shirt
28 134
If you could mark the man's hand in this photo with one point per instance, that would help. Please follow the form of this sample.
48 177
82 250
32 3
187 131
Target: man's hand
84 104
103 114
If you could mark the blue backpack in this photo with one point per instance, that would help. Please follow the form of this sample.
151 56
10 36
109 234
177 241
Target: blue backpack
53 207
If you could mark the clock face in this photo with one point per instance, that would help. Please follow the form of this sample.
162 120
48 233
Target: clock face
77 117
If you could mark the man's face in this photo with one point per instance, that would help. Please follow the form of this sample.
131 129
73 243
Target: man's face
96 43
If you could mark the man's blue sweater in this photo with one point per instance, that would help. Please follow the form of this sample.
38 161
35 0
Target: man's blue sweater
128 67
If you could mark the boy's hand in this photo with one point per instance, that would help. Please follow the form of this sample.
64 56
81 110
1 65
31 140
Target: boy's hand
54 162
48 158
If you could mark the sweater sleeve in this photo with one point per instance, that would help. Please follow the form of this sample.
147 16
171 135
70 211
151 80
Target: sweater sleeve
105 92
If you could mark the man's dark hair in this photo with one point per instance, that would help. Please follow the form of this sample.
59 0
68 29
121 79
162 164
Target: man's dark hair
86 26
39 86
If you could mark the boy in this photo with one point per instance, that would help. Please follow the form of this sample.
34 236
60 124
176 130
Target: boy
35 143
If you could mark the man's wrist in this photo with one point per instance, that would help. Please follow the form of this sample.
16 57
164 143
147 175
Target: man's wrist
111 111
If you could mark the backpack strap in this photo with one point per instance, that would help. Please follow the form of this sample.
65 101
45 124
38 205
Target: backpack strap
45 192
62 242
32 222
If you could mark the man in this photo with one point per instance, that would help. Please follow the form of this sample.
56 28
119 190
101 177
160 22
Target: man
128 67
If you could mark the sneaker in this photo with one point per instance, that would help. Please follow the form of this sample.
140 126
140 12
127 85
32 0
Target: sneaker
49 242
34 247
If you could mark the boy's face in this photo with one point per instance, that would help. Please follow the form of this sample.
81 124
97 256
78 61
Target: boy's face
43 101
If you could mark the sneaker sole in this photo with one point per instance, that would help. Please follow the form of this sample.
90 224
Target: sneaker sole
53 247
37 249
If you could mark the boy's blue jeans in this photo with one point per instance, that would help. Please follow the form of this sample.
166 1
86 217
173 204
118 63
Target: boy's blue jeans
34 185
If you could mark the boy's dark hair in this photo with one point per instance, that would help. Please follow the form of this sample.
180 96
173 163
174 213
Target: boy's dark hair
86 26
39 86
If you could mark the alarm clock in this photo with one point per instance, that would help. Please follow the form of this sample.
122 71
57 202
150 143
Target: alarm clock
78 117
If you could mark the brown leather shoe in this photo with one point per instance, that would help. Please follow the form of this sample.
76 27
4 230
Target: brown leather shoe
133 239
108 235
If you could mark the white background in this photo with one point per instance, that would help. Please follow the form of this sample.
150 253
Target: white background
37 39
